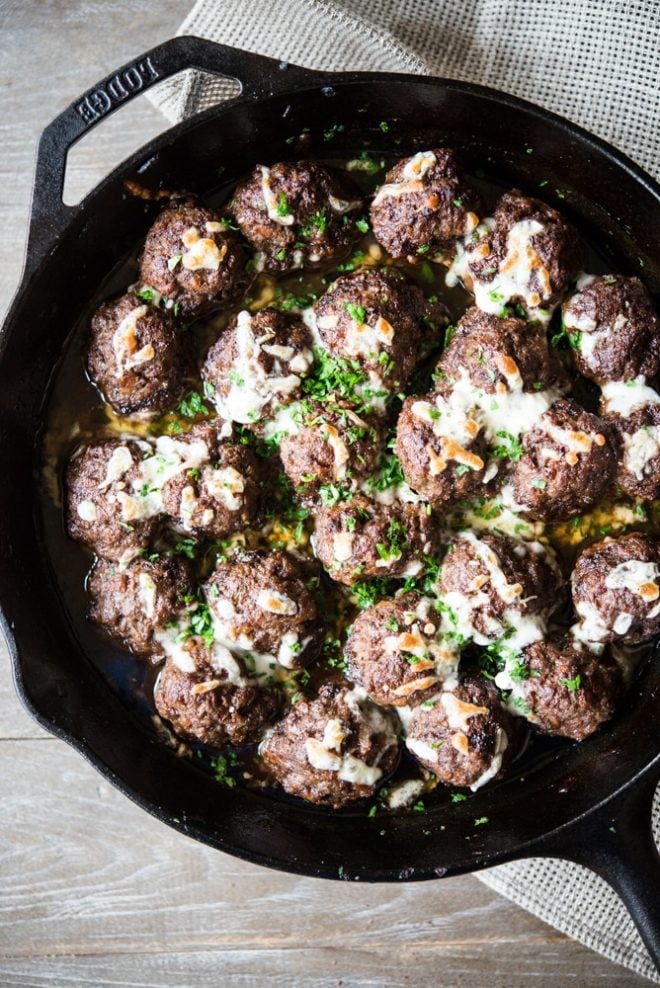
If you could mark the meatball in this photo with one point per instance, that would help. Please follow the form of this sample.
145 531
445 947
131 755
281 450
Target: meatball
425 204
221 494
441 447
132 603
101 511
568 461
613 329
500 356
333 750
465 737
136 356
363 538
333 445
297 214
396 652
192 257
265 602
206 696
377 319
633 411
257 364
492 584
568 689
527 255
616 589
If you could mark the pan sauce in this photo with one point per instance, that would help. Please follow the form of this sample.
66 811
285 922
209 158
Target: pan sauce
76 413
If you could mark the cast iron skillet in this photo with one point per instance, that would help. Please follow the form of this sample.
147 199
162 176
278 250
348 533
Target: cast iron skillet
592 805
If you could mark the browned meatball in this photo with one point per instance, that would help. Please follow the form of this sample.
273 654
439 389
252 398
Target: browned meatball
136 357
396 652
192 258
442 448
131 603
616 589
265 602
633 411
204 700
567 690
489 581
101 511
257 364
613 329
528 257
500 355
221 495
424 205
363 538
465 737
333 750
379 320
568 462
297 214
335 445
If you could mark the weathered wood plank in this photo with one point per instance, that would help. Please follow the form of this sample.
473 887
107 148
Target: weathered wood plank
95 891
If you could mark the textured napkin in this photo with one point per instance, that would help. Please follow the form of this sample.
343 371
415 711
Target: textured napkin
596 62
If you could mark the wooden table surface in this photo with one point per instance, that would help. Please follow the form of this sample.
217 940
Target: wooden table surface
93 891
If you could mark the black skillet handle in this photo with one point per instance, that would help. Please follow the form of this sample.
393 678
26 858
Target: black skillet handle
258 76
616 841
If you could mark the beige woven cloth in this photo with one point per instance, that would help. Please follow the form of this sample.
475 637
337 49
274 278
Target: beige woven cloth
596 62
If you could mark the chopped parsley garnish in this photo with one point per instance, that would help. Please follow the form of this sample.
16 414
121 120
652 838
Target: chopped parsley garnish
282 207
332 131
356 312
192 405
539 483
365 163
317 223
458 797
572 685
147 294
335 378
221 766
186 547
511 449
384 126
173 261
353 262
368 592
362 224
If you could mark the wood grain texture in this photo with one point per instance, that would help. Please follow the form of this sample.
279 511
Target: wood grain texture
93 890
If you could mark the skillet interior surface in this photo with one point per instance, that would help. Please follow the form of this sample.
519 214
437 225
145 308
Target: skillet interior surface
513 144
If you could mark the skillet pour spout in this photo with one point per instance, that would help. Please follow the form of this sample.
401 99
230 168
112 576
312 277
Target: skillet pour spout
592 804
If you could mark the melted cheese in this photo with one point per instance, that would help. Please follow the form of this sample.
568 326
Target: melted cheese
520 275
226 485
147 594
623 397
120 462
271 201
339 448
640 450
637 577
459 713
87 510
251 385
501 744
411 177
125 346
276 603
366 339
